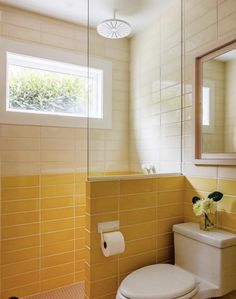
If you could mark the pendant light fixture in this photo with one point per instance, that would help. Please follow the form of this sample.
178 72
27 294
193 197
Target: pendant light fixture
114 28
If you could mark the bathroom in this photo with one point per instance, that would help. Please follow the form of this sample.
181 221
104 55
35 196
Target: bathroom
62 175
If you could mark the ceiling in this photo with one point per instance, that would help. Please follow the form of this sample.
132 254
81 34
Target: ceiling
139 13
228 56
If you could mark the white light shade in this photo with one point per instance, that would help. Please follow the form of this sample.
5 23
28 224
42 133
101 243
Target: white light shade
114 29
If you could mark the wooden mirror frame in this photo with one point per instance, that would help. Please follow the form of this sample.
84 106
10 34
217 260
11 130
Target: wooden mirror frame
211 52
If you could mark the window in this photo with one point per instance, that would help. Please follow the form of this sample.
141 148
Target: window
48 87
41 90
208 106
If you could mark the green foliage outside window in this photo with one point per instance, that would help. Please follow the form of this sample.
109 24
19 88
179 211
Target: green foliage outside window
44 91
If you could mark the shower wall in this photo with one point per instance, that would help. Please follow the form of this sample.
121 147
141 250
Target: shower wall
108 149
146 99
155 94
43 172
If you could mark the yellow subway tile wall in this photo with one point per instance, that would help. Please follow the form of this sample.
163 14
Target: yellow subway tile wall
43 240
146 208
20 236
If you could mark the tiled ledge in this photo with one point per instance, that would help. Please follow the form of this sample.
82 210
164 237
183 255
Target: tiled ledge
131 177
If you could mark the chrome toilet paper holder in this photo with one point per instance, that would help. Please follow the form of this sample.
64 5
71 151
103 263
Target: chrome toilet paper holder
110 226
106 227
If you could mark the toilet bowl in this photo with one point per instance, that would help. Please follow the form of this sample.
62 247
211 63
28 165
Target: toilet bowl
161 281
205 266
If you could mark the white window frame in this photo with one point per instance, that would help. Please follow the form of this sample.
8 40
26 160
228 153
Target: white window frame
210 129
52 54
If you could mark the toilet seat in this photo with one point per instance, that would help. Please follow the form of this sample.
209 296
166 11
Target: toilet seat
161 281
187 296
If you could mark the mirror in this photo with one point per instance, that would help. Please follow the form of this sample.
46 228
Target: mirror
215 106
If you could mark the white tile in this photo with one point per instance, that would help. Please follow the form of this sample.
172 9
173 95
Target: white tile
202 38
58 41
58 28
225 172
20 156
227 25
199 171
19 169
12 144
20 33
19 131
55 132
226 8
57 156
200 8
21 19
201 23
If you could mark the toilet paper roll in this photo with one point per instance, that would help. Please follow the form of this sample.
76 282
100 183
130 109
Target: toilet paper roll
112 243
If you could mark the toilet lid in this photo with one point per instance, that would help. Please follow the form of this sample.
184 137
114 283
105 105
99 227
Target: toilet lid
161 281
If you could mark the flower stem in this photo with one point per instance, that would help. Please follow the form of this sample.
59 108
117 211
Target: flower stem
208 221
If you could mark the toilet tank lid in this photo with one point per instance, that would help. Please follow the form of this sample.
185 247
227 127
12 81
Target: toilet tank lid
217 238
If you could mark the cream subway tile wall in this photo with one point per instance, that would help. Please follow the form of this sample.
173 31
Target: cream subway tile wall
155 94
146 208
108 149
205 21
111 154
196 38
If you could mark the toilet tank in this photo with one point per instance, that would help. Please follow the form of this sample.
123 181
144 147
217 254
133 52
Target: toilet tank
209 255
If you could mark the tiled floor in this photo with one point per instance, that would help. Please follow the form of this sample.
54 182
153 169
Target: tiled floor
75 291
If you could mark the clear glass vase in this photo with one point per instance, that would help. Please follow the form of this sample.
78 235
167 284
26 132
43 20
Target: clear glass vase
207 222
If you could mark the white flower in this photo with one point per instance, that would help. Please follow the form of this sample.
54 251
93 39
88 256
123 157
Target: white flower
209 206
198 208
213 208
205 206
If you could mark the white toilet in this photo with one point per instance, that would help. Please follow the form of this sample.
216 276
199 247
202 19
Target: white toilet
205 267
